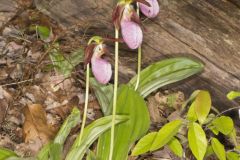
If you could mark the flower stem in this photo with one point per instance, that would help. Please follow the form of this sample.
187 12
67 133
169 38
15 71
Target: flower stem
139 57
85 106
114 95
139 66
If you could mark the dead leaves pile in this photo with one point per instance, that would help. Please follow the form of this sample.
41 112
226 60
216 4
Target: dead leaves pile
37 131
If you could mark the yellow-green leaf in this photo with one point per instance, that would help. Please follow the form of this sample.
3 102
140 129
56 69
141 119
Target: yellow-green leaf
191 115
233 156
165 134
175 146
214 129
233 137
223 124
233 95
202 105
144 144
218 149
190 99
197 140
209 151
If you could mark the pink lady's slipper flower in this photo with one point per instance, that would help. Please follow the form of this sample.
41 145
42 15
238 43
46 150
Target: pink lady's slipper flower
101 68
150 11
130 27
126 18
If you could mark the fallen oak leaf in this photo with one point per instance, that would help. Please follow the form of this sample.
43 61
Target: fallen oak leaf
36 130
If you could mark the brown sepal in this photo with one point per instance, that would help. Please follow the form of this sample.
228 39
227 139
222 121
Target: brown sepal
88 53
135 18
117 15
110 39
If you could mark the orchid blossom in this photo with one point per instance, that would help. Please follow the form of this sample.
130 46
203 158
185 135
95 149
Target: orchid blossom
126 18
150 11
101 70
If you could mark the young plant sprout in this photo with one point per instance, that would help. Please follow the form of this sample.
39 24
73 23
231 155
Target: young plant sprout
101 69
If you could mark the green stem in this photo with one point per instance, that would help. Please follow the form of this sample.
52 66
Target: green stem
85 106
139 58
139 67
114 95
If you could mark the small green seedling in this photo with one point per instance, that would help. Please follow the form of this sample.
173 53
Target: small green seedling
198 121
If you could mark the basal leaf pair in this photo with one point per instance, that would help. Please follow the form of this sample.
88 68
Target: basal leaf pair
53 150
172 70
129 102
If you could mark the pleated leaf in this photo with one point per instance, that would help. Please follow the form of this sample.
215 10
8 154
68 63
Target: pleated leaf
166 72
129 102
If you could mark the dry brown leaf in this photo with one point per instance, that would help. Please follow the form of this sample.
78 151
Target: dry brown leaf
5 98
155 114
36 130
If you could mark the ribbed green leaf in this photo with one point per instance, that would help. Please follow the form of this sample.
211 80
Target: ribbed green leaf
6 153
156 75
131 103
44 152
55 151
65 64
197 141
209 151
218 149
223 124
57 146
166 72
91 133
165 134
104 95
72 120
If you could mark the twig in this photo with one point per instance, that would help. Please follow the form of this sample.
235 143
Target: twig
16 83
228 110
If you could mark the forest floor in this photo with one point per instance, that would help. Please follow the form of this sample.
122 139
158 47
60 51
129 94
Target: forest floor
28 78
